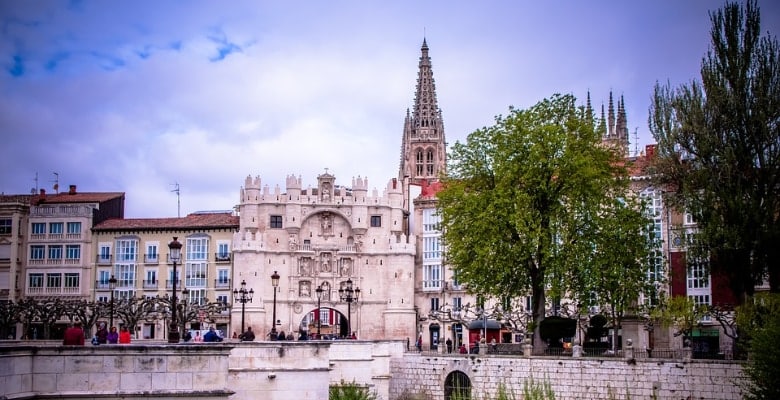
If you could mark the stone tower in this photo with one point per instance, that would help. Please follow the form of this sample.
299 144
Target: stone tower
423 147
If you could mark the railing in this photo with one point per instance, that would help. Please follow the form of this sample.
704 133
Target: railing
38 236
72 261
151 258
36 261
195 282
73 236
222 257
150 284
169 284
103 259
102 285
222 283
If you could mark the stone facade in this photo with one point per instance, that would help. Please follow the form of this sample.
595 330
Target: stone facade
321 237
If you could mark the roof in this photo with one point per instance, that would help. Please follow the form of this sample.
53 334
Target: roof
15 198
82 197
191 221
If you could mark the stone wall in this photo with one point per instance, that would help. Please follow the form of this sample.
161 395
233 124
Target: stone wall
570 378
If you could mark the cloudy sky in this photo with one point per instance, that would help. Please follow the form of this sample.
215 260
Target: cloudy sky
137 96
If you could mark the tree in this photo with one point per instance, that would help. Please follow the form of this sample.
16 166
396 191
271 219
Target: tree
681 313
518 196
87 312
719 149
759 320
9 316
132 310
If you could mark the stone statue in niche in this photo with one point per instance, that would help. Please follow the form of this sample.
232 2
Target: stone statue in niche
293 243
326 266
305 266
346 267
304 289
325 290
326 192
359 243
326 219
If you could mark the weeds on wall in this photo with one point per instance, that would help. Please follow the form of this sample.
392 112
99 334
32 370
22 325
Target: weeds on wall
350 391
533 390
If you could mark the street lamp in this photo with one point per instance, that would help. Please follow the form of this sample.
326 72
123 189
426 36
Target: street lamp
349 295
185 294
319 321
243 296
275 284
111 287
174 254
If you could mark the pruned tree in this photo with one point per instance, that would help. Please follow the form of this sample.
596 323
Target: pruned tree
28 311
516 196
48 311
9 316
85 311
132 310
718 149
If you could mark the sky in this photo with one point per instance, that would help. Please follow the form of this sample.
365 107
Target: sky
140 96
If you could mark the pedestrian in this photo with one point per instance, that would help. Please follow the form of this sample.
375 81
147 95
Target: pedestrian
124 336
211 336
419 343
248 336
448 342
74 335
113 336
462 349
102 334
281 336
290 336
198 338
235 335
354 336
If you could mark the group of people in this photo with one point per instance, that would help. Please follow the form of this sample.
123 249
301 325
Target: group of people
74 335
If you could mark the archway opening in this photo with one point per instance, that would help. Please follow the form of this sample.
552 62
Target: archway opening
331 324
457 386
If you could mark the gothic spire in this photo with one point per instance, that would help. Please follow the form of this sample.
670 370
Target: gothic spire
611 121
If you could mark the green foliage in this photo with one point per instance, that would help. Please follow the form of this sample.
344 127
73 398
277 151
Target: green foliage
522 199
717 146
681 313
533 390
759 321
350 391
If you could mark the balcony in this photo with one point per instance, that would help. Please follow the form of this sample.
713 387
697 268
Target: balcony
101 285
222 283
222 257
169 284
104 259
151 259
53 291
73 236
150 284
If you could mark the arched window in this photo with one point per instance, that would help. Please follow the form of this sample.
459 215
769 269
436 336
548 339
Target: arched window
419 162
457 386
429 162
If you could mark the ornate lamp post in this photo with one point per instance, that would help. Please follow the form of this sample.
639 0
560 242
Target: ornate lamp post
111 287
275 284
349 295
174 254
243 296
319 321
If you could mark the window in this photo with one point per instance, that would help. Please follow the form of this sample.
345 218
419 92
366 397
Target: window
125 275
223 277
151 252
102 299
36 281
72 280
126 250
55 228
73 252
222 298
419 162
429 162
37 252
197 248
431 248
376 221
688 219
698 276
431 220
103 277
54 280
6 224
325 316
55 252
434 303
457 303
38 228
104 253
74 228
196 275
276 221
432 276
223 251
151 277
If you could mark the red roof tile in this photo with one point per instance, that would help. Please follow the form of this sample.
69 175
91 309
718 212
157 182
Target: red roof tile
86 197
199 221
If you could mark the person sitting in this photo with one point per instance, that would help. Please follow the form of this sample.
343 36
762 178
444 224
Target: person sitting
248 336
124 336
198 338
211 336
113 336
281 336
462 349
74 336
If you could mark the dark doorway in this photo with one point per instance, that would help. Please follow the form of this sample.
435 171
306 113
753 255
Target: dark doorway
457 386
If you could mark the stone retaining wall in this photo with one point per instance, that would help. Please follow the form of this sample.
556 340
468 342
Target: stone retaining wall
570 378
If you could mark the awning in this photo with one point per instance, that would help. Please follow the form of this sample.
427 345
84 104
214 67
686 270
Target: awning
479 324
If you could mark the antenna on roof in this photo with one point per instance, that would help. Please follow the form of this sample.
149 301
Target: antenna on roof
178 199
56 182
35 189
636 142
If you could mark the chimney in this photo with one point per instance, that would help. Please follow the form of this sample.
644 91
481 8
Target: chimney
72 189
43 192
650 151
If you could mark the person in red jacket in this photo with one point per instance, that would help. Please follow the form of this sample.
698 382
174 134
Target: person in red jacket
124 336
74 335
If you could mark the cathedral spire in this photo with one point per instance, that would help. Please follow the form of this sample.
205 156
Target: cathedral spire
611 116
423 156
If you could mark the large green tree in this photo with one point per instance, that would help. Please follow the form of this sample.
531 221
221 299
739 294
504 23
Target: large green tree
521 197
719 148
